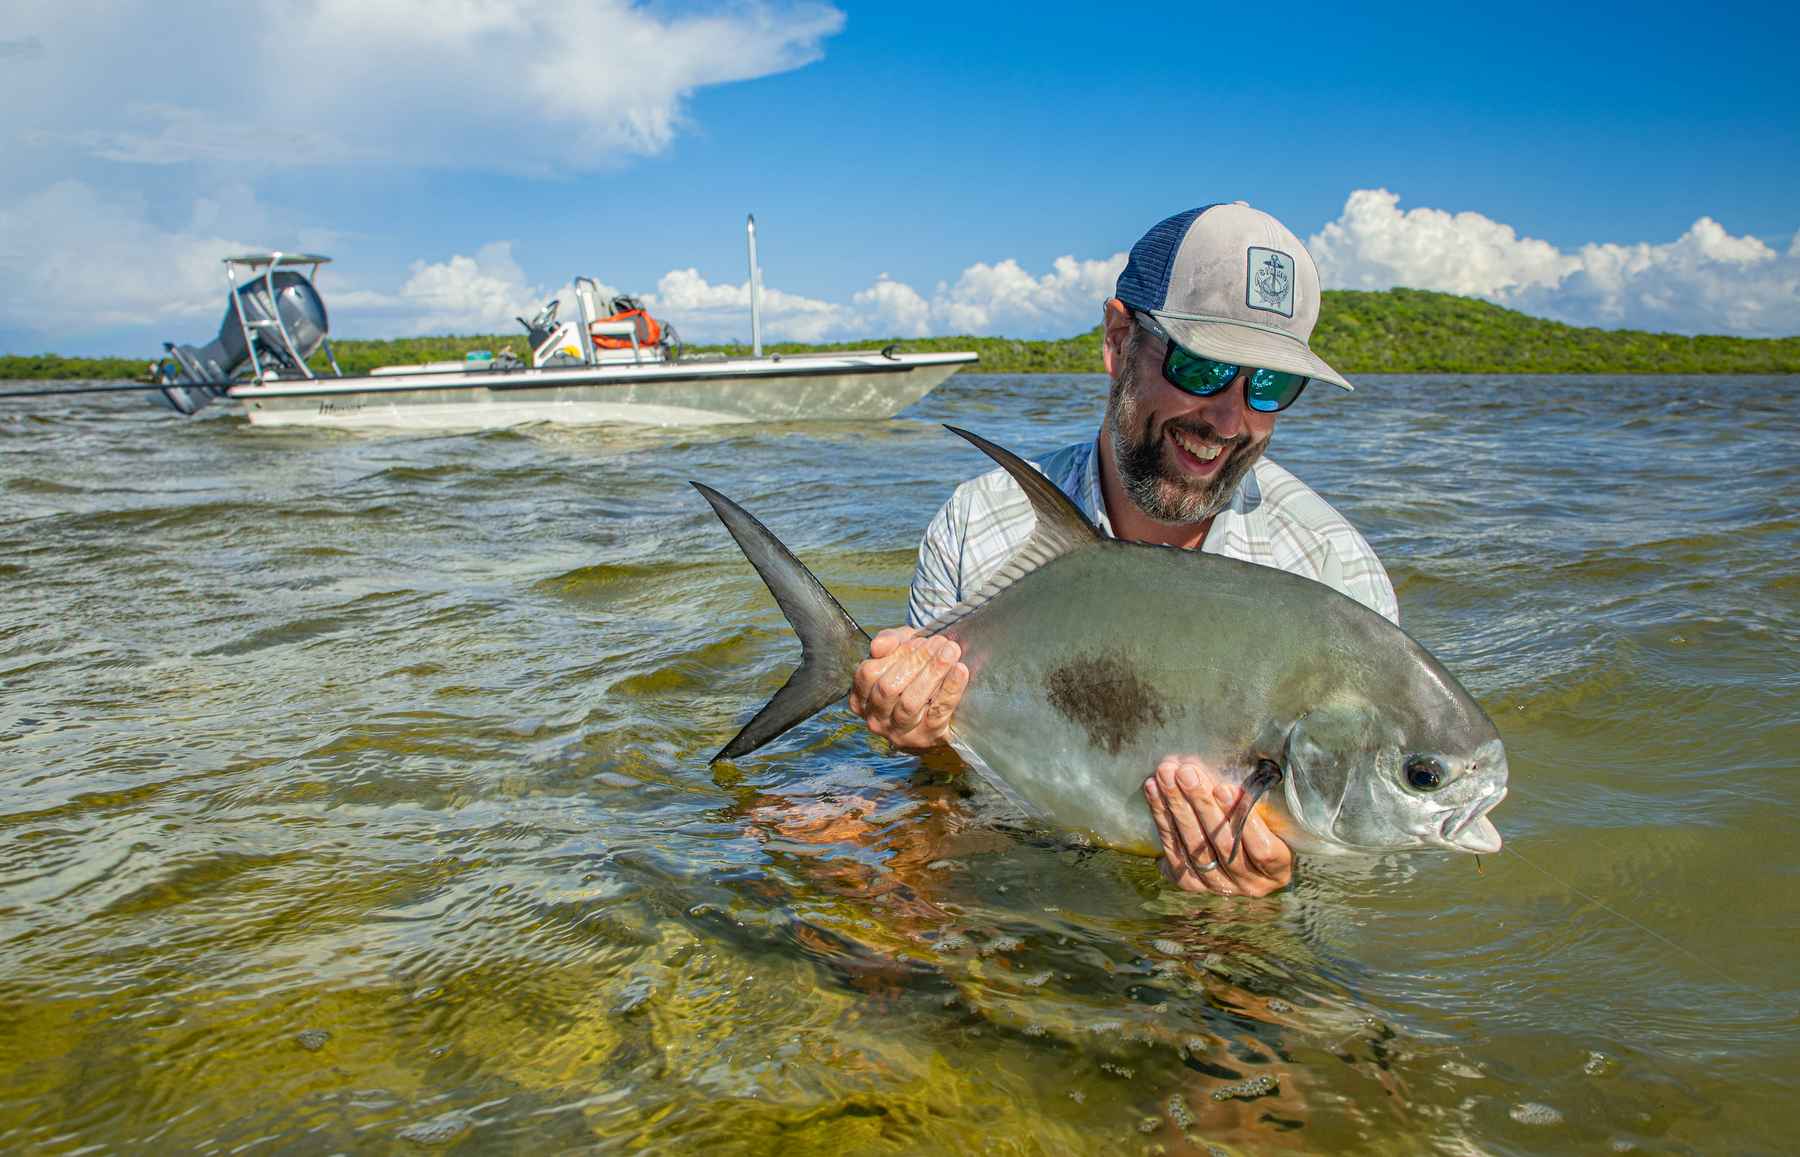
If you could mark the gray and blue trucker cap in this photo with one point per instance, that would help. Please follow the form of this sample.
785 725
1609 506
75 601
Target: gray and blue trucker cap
1230 283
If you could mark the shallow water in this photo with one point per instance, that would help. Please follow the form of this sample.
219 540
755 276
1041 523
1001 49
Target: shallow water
356 797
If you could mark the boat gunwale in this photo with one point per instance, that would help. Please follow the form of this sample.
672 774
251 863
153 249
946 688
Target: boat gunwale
625 374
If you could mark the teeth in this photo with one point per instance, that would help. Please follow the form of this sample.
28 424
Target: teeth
1202 452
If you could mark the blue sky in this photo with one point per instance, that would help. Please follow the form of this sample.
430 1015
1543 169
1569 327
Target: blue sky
1606 165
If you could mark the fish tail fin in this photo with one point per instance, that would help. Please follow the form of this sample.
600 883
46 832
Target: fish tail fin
831 642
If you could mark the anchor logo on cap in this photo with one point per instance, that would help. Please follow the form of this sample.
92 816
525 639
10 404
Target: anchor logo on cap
1271 281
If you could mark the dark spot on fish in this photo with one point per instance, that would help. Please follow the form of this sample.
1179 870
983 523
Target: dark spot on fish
1104 695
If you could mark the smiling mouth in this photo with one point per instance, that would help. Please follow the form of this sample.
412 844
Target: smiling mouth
1203 457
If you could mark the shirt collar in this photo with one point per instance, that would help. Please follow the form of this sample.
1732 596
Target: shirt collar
1245 513
1087 490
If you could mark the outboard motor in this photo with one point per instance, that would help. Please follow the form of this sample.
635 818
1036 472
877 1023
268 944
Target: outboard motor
287 327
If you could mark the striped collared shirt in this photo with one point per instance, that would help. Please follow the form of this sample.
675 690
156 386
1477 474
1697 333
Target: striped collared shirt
1274 520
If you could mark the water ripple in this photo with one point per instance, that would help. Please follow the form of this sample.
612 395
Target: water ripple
360 800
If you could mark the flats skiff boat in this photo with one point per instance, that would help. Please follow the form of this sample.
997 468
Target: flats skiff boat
612 362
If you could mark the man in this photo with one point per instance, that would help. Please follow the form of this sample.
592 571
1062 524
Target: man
1206 342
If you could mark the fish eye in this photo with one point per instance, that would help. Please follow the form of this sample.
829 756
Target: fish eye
1424 772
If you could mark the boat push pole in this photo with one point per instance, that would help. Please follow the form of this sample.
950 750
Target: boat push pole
755 293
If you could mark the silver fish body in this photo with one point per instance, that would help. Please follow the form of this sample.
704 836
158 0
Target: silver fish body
1091 660
1087 671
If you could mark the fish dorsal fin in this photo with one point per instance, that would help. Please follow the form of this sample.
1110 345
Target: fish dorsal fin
1061 527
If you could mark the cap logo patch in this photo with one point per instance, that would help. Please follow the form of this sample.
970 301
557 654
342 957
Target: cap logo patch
1271 281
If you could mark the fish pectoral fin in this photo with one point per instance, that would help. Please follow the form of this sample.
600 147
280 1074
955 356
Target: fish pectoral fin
1266 775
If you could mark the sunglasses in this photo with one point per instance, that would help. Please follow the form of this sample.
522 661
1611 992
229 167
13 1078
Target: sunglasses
1266 391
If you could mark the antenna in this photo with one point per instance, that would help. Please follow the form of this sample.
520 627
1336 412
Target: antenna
755 293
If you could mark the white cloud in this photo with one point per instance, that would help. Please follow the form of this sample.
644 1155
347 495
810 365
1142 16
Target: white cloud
526 85
74 259
1003 297
479 294
896 307
1705 281
1373 245
703 311
986 298
115 110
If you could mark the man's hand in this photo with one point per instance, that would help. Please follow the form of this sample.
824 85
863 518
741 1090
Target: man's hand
908 687
1192 808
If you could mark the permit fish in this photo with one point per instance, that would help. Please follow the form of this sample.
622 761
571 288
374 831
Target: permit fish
1091 659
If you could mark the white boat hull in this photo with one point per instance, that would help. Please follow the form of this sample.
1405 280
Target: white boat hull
812 387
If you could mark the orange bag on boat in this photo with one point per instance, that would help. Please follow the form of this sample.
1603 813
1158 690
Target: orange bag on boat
648 328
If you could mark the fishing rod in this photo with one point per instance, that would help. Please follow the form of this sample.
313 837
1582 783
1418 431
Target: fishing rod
65 390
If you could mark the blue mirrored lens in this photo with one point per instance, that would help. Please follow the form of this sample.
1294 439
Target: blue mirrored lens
1201 376
1271 390
1265 390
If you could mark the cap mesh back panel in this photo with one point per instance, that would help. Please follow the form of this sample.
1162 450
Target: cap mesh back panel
1145 282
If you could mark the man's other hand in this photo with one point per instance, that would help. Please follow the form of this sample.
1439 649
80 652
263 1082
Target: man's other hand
1192 807
908 687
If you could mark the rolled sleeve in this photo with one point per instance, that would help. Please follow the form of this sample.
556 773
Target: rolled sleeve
935 589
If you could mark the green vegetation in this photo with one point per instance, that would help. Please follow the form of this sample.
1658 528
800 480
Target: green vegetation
1389 332
1411 331
54 368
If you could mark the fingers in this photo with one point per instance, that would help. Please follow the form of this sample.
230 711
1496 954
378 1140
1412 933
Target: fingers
1174 862
1192 810
903 666
916 696
949 694
885 642
908 689
888 652
1165 828
1268 861
1204 827
881 647
1193 862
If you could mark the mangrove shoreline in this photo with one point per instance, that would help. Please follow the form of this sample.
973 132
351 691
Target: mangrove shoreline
1394 331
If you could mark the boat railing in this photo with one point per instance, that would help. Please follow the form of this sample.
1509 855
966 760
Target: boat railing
268 263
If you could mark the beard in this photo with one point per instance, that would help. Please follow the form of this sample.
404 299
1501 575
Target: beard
1155 485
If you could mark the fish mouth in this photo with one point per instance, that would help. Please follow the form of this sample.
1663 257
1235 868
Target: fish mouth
1469 830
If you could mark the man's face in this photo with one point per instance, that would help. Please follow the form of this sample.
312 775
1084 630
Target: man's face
1180 457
